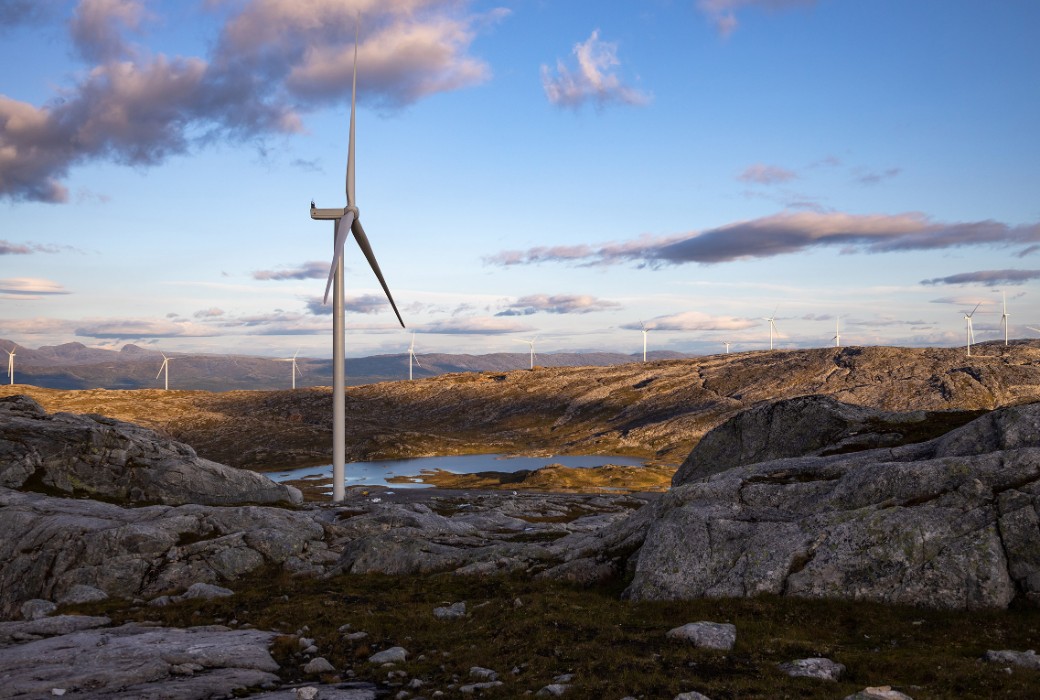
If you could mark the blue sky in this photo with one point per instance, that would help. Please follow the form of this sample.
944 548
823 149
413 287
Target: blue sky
564 170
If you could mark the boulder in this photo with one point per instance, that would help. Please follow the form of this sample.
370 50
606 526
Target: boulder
949 523
819 668
108 459
707 635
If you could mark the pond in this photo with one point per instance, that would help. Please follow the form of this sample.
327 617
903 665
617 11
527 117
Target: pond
376 473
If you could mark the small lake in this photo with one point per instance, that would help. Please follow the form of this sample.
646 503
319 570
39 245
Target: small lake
376 473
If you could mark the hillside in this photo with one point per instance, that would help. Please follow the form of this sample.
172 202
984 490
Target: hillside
657 410
76 366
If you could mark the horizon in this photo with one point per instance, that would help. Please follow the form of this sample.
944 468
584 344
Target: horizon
567 172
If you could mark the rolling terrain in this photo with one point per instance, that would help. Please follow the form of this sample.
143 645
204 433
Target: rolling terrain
658 410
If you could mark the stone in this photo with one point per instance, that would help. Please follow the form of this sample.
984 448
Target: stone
392 655
451 612
882 692
484 674
81 593
307 693
471 688
707 635
691 695
552 690
1025 659
206 591
37 608
819 668
318 665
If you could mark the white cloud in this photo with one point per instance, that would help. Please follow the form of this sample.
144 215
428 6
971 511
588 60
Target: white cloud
593 81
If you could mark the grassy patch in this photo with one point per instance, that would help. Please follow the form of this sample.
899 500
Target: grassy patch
613 647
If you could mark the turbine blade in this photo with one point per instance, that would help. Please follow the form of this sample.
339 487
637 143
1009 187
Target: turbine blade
975 309
366 248
353 101
160 370
341 238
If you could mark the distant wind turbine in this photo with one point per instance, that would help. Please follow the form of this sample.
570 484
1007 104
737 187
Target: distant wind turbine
412 357
1004 317
772 326
295 368
969 332
837 332
727 344
165 368
10 364
645 331
530 342
345 221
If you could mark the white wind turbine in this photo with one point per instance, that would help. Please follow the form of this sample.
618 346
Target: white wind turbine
10 364
772 327
1004 317
645 331
727 344
412 357
295 368
530 342
969 333
837 332
345 221
165 368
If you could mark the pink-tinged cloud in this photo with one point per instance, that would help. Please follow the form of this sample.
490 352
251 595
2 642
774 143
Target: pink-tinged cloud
364 304
557 304
593 80
142 329
314 269
693 321
474 325
212 312
990 278
273 60
787 233
30 287
723 13
761 174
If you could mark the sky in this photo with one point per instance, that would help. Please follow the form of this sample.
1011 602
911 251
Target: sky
568 171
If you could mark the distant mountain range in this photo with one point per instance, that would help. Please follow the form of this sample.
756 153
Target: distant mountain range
76 366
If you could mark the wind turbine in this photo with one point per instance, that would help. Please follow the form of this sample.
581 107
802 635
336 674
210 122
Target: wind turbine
295 369
345 221
727 344
772 326
645 331
10 364
969 333
530 342
1004 317
837 332
412 357
165 368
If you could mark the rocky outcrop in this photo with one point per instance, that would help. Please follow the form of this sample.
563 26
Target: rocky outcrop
809 425
950 523
109 459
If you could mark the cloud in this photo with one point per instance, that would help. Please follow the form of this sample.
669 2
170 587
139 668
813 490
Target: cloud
30 287
990 278
273 60
782 234
761 174
474 325
212 312
365 304
315 269
593 80
871 177
557 304
694 321
139 329
723 13
14 13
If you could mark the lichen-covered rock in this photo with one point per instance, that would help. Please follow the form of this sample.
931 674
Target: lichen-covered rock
110 459
948 523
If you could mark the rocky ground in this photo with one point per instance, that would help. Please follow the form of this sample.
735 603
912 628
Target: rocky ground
658 410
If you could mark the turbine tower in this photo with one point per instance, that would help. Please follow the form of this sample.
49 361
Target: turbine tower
295 368
837 332
412 357
10 364
645 331
344 222
1004 317
727 344
530 342
772 327
165 368
969 333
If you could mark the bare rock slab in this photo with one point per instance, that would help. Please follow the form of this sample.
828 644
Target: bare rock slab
819 668
393 655
1024 659
881 692
706 635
